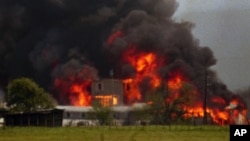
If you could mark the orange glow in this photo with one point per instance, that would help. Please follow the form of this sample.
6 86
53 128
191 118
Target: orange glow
74 93
79 96
145 61
238 112
218 100
146 76
145 65
132 90
107 100
236 102
175 83
114 36
218 116
115 100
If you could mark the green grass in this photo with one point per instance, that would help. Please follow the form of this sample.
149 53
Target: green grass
129 133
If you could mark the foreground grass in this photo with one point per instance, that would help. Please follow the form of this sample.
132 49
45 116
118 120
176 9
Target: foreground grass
129 133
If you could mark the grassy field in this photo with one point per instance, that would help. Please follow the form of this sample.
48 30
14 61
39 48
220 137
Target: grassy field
129 133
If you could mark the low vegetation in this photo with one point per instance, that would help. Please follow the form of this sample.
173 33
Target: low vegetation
111 133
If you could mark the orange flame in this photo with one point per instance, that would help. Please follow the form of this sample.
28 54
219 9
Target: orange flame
238 111
218 116
79 96
175 83
132 91
75 92
145 65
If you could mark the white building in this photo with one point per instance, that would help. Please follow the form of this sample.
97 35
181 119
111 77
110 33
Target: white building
86 116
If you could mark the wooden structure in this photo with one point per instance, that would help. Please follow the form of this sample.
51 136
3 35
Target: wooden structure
50 118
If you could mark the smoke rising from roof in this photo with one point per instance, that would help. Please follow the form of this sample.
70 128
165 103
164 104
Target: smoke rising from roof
45 39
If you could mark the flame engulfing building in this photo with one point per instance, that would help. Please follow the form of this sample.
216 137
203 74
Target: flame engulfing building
80 41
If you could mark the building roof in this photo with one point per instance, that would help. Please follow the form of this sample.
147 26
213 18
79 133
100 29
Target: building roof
75 108
90 108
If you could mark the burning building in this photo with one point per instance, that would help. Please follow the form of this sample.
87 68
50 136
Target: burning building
108 92
78 42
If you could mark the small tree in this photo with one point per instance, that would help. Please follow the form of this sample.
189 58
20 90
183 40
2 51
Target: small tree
166 111
24 95
156 98
103 114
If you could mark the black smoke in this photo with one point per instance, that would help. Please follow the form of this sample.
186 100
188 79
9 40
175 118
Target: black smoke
39 37
153 30
36 36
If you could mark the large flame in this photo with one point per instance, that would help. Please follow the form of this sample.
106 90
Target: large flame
76 93
145 65
79 96
175 83
217 115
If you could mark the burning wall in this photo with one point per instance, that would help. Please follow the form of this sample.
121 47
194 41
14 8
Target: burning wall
77 42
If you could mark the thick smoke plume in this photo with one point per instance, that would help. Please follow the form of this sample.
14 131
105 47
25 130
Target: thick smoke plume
48 39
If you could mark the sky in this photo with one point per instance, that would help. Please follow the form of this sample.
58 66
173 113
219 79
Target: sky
222 25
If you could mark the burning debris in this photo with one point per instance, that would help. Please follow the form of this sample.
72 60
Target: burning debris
78 42
237 112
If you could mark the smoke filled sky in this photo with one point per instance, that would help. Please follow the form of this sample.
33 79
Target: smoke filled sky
60 43
222 25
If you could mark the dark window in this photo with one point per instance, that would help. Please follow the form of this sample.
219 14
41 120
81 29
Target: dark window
68 115
99 86
83 115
